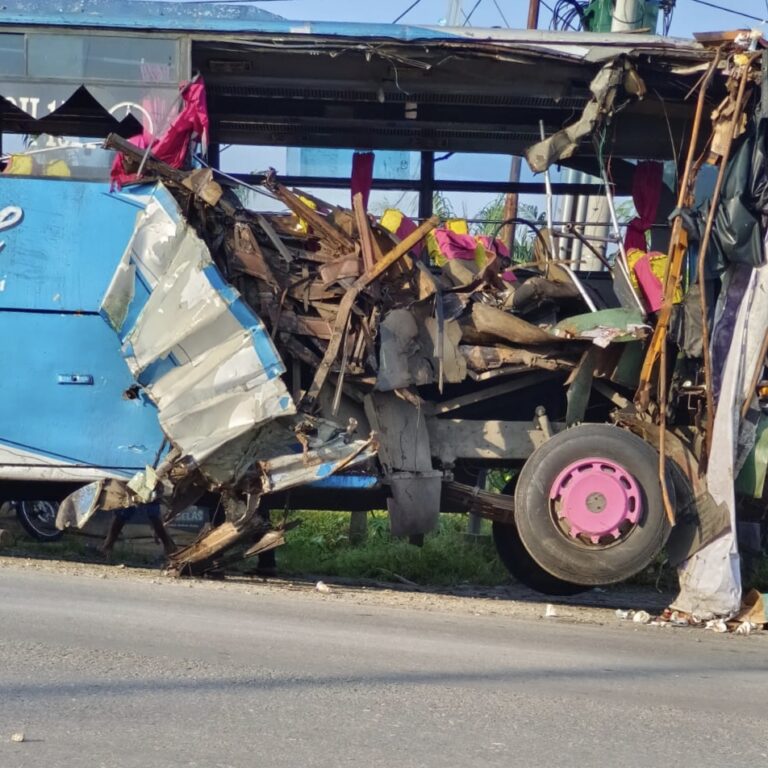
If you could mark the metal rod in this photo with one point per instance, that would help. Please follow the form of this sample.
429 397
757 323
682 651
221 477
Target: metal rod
704 247
621 259
548 188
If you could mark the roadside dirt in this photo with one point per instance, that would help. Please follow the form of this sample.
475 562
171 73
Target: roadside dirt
597 606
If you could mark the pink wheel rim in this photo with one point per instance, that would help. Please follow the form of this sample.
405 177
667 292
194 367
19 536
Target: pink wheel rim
596 498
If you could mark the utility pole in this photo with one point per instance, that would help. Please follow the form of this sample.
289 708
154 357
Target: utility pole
511 201
628 15
453 14
533 14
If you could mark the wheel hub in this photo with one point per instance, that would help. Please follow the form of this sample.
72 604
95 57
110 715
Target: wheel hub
596 498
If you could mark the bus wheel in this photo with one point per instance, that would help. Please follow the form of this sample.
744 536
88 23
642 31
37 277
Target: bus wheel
38 519
588 505
524 568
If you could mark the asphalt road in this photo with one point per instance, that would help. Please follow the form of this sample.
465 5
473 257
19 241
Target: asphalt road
126 672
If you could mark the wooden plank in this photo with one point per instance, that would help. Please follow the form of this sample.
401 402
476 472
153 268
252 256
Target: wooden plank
364 231
321 226
274 239
345 307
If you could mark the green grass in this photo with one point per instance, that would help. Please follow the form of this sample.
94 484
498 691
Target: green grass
321 546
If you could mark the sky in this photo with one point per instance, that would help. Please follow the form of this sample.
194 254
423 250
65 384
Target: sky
689 16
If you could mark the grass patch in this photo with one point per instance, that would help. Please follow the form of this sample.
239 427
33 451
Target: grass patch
321 545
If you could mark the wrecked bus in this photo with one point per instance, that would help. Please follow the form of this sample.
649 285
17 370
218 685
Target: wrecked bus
167 337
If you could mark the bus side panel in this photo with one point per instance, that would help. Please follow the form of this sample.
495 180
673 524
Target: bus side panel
64 393
63 252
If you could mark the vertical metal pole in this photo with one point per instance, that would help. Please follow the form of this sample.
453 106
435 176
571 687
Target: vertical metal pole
214 155
427 185
627 15
548 187
512 200
533 14
453 17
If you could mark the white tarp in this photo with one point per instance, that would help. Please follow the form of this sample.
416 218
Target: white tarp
710 581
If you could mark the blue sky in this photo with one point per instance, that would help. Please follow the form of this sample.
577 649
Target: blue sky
689 16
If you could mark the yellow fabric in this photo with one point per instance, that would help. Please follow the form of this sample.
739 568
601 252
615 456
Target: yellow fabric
57 168
658 267
391 220
20 165
459 226
302 226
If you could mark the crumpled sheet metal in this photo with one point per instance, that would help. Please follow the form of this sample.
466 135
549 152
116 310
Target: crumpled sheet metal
79 508
201 354
291 470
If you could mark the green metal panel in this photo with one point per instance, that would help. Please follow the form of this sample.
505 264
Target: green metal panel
751 479
598 16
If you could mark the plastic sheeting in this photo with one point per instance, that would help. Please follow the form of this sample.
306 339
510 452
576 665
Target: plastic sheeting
710 581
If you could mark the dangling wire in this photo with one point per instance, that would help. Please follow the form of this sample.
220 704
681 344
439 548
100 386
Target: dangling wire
568 14
407 11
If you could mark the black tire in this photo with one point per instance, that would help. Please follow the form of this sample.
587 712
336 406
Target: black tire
38 519
574 559
524 568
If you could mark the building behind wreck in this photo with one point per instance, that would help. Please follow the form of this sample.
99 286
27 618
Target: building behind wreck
170 338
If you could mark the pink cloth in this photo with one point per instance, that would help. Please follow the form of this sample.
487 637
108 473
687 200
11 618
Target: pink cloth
455 246
650 285
173 145
362 175
494 246
646 191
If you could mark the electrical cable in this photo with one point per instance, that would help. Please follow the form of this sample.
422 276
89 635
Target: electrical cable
730 10
468 16
501 13
568 14
407 10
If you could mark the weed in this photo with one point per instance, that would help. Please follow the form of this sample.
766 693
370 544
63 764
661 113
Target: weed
320 545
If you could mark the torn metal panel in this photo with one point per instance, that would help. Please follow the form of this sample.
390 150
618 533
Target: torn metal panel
295 469
409 350
200 353
400 361
77 509
414 507
607 326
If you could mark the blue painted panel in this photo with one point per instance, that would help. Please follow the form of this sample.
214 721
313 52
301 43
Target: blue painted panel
347 482
89 424
63 253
